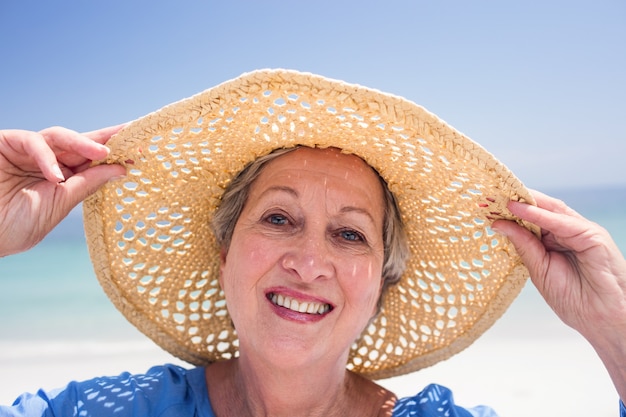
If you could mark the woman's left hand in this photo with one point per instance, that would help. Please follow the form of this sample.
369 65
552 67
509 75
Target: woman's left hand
579 271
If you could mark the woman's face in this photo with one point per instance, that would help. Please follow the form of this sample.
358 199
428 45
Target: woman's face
302 274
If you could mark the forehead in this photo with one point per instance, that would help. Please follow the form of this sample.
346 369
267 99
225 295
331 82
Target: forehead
345 173
329 161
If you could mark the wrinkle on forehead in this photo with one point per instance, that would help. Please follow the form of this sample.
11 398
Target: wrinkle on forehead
332 169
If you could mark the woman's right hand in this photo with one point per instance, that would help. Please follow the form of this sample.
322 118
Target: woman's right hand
43 175
580 272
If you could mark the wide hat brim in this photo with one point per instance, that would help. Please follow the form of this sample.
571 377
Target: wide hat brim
155 255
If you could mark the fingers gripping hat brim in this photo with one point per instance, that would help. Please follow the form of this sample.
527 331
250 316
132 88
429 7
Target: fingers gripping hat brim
155 255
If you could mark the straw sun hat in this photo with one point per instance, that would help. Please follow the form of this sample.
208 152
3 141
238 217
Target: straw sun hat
154 253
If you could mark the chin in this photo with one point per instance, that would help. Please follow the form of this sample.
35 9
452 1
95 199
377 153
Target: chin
290 353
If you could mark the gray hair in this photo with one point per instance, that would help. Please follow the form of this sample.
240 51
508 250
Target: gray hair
395 242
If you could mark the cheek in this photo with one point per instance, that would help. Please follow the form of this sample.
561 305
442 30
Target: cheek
363 283
242 258
242 267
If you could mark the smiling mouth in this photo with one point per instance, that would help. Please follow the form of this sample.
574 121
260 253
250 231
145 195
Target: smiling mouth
298 306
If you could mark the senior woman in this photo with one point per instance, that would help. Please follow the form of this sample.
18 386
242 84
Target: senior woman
297 238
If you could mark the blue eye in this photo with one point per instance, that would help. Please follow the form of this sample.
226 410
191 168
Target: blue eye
351 235
277 219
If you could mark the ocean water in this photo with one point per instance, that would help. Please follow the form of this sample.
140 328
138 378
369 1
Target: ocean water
51 292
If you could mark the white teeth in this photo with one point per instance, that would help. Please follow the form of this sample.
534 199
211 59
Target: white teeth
301 307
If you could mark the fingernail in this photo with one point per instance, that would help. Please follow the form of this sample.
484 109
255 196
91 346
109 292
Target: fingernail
117 177
498 230
57 173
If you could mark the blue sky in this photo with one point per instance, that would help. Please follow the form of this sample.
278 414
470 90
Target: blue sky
540 84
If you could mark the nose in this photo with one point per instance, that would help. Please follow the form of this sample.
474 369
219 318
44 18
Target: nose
310 258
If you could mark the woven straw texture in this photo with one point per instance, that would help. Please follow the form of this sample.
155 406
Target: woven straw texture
156 258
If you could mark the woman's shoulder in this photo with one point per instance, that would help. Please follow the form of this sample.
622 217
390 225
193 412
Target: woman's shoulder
163 390
437 400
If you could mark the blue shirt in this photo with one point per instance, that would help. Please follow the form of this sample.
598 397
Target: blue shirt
172 391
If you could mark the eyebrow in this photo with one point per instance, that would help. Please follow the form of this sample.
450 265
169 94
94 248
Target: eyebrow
352 209
294 193
280 188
